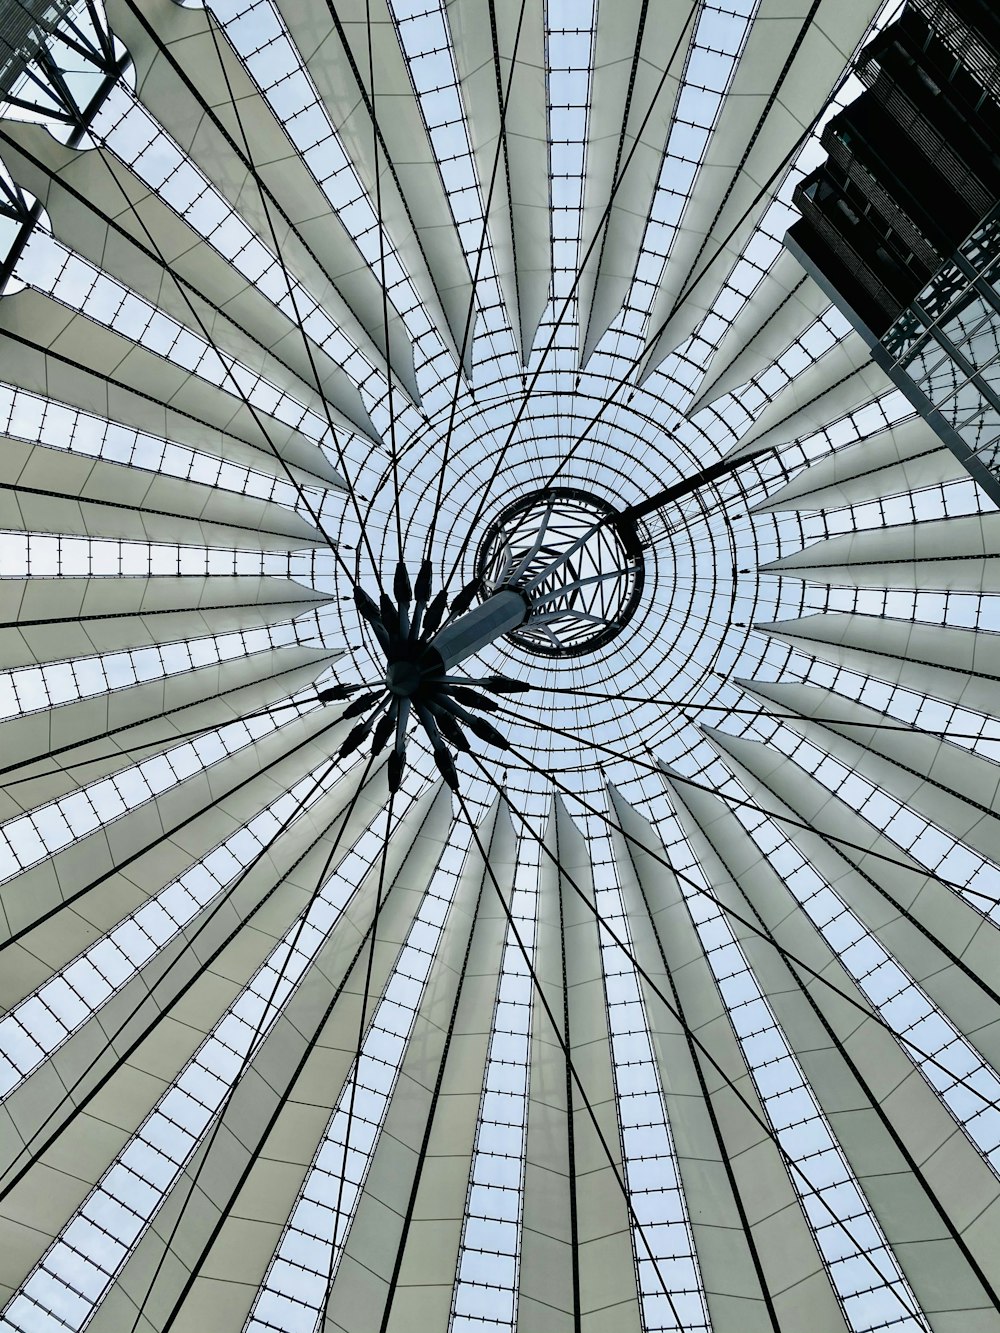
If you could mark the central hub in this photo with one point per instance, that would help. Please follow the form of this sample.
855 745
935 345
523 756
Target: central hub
403 679
579 566
559 572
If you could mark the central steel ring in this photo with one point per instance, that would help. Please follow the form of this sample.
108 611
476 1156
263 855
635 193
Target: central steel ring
580 566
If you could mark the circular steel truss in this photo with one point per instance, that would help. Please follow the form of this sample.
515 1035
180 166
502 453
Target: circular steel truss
563 547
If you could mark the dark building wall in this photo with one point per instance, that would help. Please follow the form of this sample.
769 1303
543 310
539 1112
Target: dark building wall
899 223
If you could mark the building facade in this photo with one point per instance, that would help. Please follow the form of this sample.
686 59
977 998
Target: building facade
900 224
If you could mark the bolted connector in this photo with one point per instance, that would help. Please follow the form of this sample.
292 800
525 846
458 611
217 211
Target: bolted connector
366 606
435 613
451 731
369 611
401 584
422 591
384 728
354 738
389 615
362 703
446 767
481 728
464 598
471 698
331 694
504 685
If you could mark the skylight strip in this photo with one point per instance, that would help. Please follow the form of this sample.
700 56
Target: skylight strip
651 1171
48 266
570 36
486 1284
39 1025
893 993
27 839
569 40
41 555
28 416
767 241
937 606
125 127
712 60
259 35
293 1294
485 1294
71 1280
835 1200
946 499
425 37
922 711
799 1124
34 688
929 844
721 421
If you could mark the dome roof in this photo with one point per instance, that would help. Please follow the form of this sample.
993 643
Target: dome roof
680 1013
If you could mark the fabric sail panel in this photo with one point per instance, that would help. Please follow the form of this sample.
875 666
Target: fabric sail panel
254 165
254 1167
758 1257
159 1020
949 948
411 1211
936 1199
576 1267
51 749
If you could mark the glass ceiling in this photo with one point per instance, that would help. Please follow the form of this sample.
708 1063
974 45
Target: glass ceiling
291 296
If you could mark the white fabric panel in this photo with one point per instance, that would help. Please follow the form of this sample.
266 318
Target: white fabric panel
545 1274
195 976
842 379
55 750
604 1231
255 1167
52 619
401 1257
63 904
313 243
902 458
758 1258
623 92
725 218
520 233
569 1183
49 349
47 950
959 666
784 303
889 1122
54 491
82 190
948 785
948 948
959 554
416 211
165 1028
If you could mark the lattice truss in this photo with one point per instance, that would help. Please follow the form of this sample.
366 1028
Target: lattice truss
683 1012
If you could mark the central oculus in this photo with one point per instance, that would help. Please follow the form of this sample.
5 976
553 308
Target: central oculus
576 561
